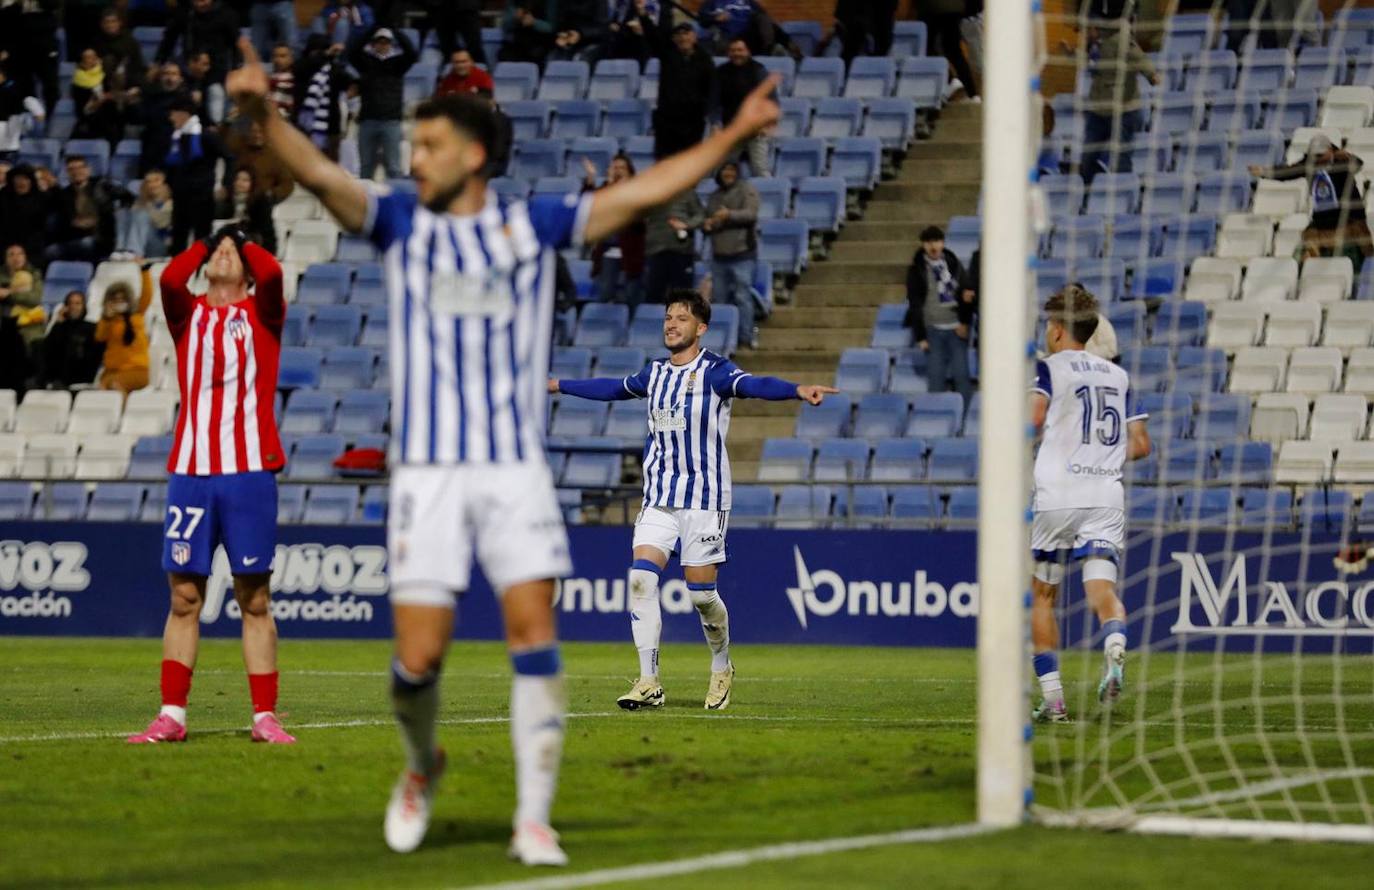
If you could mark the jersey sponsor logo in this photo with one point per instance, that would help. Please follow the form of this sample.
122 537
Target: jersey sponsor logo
310 582
824 593
481 296
1094 472
34 573
668 420
1239 608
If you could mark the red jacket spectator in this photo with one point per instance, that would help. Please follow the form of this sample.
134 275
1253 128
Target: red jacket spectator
464 77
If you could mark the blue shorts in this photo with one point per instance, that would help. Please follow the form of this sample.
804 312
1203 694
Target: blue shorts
237 510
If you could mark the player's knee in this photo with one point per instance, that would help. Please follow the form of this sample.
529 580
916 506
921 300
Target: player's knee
186 600
419 661
256 603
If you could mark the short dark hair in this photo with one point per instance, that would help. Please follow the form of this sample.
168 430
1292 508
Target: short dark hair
693 300
932 233
70 158
184 104
629 161
472 115
1074 307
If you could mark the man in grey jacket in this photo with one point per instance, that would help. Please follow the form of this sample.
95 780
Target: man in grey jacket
732 212
669 246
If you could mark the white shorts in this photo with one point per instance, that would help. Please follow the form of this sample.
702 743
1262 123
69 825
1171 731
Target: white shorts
701 533
506 515
1071 535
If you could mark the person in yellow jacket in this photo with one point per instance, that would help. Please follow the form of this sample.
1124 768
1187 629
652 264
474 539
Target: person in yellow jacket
124 332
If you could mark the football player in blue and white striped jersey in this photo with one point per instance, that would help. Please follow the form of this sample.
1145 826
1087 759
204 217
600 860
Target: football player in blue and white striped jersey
470 284
686 484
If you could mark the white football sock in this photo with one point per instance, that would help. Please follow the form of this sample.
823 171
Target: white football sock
1116 635
537 707
176 712
1047 671
415 701
646 617
715 623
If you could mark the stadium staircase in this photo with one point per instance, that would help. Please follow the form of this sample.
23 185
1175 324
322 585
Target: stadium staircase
837 300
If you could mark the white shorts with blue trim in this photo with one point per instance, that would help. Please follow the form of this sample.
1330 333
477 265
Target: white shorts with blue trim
1079 533
697 535
443 517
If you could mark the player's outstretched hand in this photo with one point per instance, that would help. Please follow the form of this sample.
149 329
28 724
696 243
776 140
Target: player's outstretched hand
248 86
815 394
553 386
759 110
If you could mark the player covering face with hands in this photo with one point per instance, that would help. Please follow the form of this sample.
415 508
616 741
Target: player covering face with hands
470 285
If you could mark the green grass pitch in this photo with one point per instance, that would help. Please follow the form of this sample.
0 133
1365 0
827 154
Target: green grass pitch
818 743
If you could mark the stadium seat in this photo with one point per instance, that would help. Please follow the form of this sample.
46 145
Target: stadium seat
917 503
573 362
908 39
61 502
796 117
529 118
148 412
323 284
12 446
1223 192
836 118
614 79
625 118
1156 278
841 460
1292 324
785 460
892 122
1262 148
1113 193
1279 199
300 367
1175 114
309 411
1207 507
1348 325
290 504
783 243
1267 70
1184 462
361 411
602 324
149 457
799 158
1222 416
1189 236
775 197
1278 417
576 119
335 326
563 80
1269 279
1148 505
866 502
330 504
1169 194
1326 510
820 203
1359 375
751 506
923 80
95 411
375 332
898 460
858 161
373 509
618 361
871 77
592 470
1259 369
881 415
312 457
1347 107
1199 371
1078 237
515 81
538 157
862 371
1326 279
16 501
1213 280
626 422
953 460
1355 464
1314 370
830 419
1338 418
115 502
1246 462
578 417
1211 72
819 77
1064 194
1266 507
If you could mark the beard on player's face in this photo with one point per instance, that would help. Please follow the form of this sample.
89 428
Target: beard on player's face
442 196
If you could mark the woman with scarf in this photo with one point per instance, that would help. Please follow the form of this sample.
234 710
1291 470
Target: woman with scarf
321 79
190 167
98 112
940 313
124 333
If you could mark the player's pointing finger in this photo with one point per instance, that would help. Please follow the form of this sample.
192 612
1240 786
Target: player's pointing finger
248 51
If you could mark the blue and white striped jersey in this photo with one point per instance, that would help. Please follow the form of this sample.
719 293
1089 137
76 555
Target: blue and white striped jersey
685 462
471 323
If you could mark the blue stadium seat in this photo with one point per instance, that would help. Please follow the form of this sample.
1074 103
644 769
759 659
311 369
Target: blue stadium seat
309 411
775 196
625 118
1223 192
953 460
1180 323
1157 278
648 81
509 190
862 371
1350 30
1246 461
821 203
836 118
618 361
538 157
331 504
881 416
1113 193
556 185
375 332
963 503
614 79
1223 416
829 419
149 457
1104 278
780 65
1134 238
1188 34
362 411
1151 154
1201 152
916 502
115 502
819 77
1078 237
804 506
1235 112
313 456
290 503
1147 505
95 151
323 284
1175 114
751 505
602 324
1190 236
576 119
354 249
597 149
806 35
1129 321
1266 507
858 161
419 82
1265 69
369 296
640 150
529 118
898 460
866 502
1185 462
300 367
1199 370
335 326
373 510
1262 148
1208 507
799 158
573 362
908 39
627 422
1063 194
1364 73
348 367
796 117
1298 106
1171 414
936 415
1168 194
592 470
923 80
1211 72
871 77
515 80
785 460
645 332
841 460
65 275
1326 510
1149 366
564 80
579 417
889 330
783 243
61 502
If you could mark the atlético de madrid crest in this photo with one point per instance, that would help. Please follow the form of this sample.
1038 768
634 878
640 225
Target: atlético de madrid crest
181 552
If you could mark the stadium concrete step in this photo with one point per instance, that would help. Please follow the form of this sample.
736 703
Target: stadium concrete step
857 273
744 427
874 295
943 148
904 231
743 470
915 212
761 408
820 321
786 362
811 339
951 168
875 251
931 190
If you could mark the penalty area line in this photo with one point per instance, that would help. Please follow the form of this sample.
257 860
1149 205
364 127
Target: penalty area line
741 858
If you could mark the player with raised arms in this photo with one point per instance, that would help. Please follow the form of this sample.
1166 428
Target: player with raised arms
470 284
223 465
686 506
1089 428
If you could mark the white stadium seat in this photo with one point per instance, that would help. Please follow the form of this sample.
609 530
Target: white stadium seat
1278 417
1347 108
1269 279
1360 142
1259 369
1279 199
312 241
1303 463
1349 325
1359 372
1293 324
149 412
1245 235
11 454
1326 279
49 454
1213 280
9 403
1316 369
1355 463
104 457
1289 236
96 411
1337 417
1235 325
43 411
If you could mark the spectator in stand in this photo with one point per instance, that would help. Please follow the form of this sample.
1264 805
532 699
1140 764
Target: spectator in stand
283 79
85 215
669 247
250 207
618 261
154 113
344 21
381 65
1338 225
729 20
28 46
322 78
24 212
732 212
81 24
581 30
1111 111
626 38
528 31
14 358
71 354
190 167
247 144
150 13
206 25
464 77
120 54
942 18
686 82
149 228
16 109
273 23
21 294
206 92
940 314
453 19
46 182
734 80
123 331
99 110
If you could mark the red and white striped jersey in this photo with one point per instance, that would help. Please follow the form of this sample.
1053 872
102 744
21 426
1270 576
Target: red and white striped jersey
227 359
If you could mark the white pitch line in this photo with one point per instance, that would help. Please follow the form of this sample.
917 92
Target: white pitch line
741 858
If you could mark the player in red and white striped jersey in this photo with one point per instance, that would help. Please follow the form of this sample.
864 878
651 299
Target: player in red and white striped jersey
223 488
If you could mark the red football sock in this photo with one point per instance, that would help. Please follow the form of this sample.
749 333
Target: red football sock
263 689
176 683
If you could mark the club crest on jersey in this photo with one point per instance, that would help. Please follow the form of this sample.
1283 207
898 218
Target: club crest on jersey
238 328
181 552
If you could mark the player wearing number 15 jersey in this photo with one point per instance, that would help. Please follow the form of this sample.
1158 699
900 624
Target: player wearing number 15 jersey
1089 429
222 489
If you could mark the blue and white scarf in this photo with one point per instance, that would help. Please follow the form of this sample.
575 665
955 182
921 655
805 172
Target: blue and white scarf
947 286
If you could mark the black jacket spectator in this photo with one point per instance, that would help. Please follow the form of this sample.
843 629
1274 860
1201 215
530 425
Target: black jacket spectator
120 54
733 83
381 82
190 168
917 289
685 84
105 196
28 40
24 211
321 78
14 356
203 25
152 111
588 19
528 38
71 354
